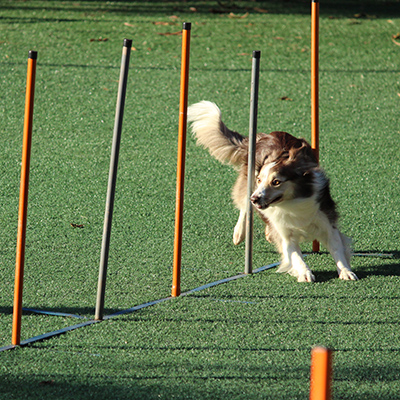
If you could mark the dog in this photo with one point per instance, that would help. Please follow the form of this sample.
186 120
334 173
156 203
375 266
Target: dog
291 192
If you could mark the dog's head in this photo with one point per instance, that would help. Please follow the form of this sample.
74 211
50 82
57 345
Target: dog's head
283 170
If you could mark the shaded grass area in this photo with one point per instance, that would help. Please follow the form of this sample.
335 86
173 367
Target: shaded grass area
248 339
240 341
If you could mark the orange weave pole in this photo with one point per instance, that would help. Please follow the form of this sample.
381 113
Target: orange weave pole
321 373
315 85
180 175
23 198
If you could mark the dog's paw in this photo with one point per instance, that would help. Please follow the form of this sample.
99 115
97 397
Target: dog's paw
238 235
306 276
348 275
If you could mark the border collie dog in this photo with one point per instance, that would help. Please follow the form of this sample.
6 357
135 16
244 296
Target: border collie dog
291 194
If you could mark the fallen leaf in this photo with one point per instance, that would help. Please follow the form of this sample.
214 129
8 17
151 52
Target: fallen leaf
164 23
243 54
173 17
395 38
193 9
170 33
398 94
279 38
260 10
285 98
49 382
100 39
363 15
128 24
232 15
77 225
133 48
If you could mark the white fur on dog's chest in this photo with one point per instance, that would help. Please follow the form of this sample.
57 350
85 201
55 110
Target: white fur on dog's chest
299 219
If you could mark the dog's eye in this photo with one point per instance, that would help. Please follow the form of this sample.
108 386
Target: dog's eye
258 180
276 182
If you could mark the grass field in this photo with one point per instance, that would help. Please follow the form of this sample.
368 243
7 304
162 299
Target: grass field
247 339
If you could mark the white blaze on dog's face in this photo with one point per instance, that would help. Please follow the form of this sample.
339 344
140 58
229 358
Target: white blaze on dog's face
271 187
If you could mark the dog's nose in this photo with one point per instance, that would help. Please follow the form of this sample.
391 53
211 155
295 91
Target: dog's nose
254 199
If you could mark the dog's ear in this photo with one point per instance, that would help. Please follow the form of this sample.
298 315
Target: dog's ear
299 167
304 153
265 148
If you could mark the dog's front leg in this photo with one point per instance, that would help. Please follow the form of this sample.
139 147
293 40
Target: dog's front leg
338 248
293 258
240 229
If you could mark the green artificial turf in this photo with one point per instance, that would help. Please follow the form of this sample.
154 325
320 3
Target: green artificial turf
247 339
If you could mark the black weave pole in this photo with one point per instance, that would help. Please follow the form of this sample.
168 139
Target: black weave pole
255 73
112 178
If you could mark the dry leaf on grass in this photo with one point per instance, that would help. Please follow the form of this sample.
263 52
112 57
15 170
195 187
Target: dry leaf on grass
100 39
170 33
128 24
235 16
363 15
164 23
50 382
395 39
77 225
260 10
285 98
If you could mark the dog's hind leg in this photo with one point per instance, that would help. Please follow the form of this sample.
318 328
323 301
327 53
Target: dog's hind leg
240 229
338 246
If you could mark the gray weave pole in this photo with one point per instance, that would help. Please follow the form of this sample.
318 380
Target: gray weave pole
255 72
112 178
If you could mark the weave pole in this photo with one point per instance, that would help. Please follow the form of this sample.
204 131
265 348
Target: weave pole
23 198
180 173
255 74
321 373
112 178
315 86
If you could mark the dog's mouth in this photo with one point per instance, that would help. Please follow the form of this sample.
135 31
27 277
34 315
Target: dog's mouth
265 205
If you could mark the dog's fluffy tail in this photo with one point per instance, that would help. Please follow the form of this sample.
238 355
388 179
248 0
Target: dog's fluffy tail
225 145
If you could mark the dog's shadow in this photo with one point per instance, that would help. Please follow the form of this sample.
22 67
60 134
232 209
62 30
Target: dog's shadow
380 266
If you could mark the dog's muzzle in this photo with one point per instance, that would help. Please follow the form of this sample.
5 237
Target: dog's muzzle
261 203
